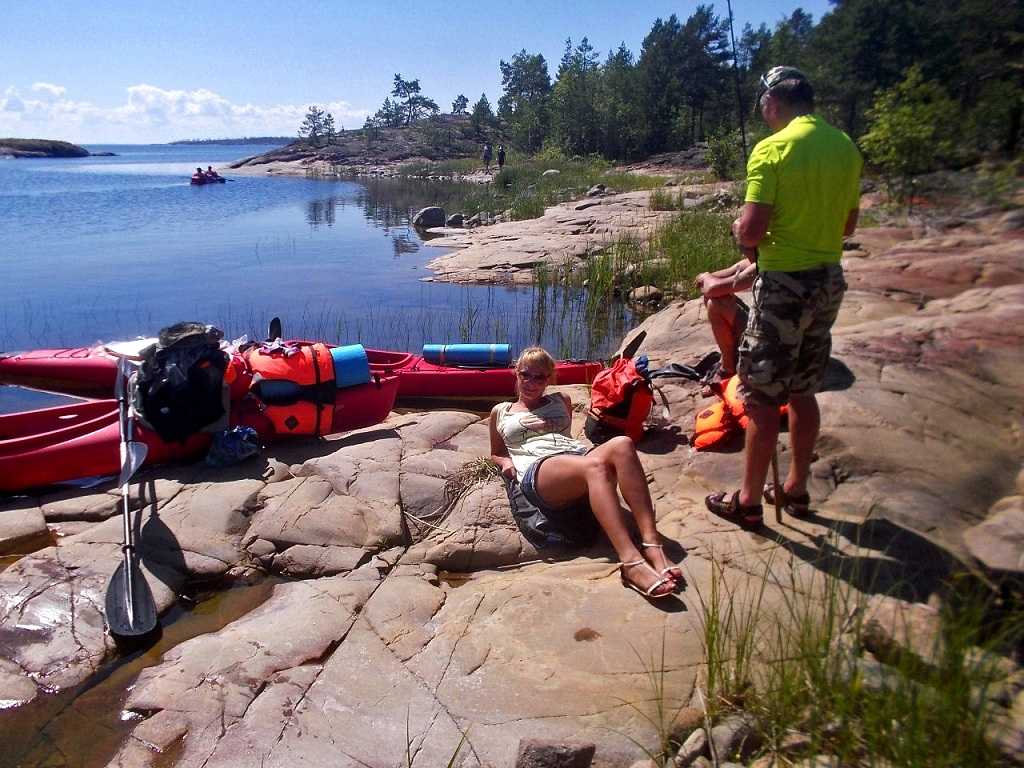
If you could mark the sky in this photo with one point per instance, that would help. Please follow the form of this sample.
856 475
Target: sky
152 71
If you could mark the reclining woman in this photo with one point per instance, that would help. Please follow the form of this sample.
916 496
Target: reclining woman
530 441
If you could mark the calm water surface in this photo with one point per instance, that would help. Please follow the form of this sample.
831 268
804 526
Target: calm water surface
101 248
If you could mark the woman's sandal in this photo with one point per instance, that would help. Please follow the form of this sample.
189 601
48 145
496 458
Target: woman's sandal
672 571
650 591
733 511
797 506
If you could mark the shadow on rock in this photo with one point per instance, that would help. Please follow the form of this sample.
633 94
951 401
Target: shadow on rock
905 565
838 376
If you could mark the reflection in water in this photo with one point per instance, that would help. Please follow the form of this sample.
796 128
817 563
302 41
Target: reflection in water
403 243
379 211
319 212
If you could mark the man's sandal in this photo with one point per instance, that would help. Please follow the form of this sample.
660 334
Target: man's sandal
672 571
650 591
797 506
733 511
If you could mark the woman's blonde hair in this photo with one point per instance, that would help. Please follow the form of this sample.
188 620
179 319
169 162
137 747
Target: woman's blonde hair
539 357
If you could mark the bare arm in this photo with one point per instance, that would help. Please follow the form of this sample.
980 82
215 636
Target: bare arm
851 222
752 225
499 451
728 281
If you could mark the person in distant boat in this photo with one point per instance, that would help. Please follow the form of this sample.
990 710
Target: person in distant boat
210 173
727 312
199 172
487 156
501 156
530 442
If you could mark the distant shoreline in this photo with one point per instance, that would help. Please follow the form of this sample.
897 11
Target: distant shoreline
246 140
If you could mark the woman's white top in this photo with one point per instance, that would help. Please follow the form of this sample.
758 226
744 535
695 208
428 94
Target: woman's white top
532 435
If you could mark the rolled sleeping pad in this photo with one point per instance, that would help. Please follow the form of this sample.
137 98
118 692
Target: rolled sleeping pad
351 366
475 355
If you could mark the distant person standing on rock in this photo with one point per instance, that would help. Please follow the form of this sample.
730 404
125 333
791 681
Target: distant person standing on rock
501 157
487 156
803 190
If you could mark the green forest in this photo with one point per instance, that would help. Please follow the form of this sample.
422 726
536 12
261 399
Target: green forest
936 83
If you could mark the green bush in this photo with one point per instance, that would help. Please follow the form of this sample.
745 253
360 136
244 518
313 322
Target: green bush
725 154
913 129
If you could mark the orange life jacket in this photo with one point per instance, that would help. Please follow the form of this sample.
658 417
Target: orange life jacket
723 419
311 366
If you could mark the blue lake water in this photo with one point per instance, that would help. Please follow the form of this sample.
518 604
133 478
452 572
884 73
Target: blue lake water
100 248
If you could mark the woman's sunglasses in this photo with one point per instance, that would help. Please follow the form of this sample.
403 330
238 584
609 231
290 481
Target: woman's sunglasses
527 376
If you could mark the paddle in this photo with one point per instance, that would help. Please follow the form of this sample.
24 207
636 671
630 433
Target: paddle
129 605
631 348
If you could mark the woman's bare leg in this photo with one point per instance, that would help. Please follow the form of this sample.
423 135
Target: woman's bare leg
563 479
621 453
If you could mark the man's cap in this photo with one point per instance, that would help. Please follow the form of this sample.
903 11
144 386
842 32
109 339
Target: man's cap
776 75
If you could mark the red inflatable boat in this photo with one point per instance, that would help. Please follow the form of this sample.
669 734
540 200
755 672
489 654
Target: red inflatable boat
68 442
90 372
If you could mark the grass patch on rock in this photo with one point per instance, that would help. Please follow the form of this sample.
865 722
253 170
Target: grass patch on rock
821 668
668 261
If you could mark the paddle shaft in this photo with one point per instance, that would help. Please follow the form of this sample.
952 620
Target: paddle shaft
776 488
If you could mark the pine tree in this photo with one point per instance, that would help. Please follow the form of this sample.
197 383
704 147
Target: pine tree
312 127
482 117
523 105
329 131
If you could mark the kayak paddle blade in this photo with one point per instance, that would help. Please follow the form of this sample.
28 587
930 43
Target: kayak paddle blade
129 606
274 330
631 348
133 456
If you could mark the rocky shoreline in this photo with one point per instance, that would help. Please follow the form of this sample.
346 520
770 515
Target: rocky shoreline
401 611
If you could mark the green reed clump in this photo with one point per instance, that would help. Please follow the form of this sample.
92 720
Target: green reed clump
693 242
670 260
456 167
666 199
788 651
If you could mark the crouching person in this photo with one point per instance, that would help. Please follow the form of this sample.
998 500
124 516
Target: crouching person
530 441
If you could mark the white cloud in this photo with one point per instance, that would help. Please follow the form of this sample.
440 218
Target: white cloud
152 114
49 90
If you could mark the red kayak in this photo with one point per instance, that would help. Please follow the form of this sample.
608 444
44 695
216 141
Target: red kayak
90 372
69 442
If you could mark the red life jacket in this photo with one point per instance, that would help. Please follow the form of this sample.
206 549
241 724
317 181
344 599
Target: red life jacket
620 402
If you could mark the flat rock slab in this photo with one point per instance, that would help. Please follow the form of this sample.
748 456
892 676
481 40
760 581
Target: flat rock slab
509 251
22 527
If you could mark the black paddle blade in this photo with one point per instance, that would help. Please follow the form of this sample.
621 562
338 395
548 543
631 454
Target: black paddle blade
274 330
129 603
631 348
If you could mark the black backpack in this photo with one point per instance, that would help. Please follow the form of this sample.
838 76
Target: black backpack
179 389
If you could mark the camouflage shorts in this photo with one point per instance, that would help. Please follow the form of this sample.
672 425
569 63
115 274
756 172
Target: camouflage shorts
789 336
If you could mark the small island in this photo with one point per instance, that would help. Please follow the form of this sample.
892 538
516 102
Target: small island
40 148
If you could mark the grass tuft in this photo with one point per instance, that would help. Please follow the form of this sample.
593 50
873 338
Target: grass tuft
796 663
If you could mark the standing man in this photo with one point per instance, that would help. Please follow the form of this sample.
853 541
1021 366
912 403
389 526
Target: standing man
487 156
803 189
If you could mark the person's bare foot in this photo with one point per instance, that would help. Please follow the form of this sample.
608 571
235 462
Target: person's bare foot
644 579
654 553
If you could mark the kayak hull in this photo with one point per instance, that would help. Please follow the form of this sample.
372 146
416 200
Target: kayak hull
70 442
90 372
